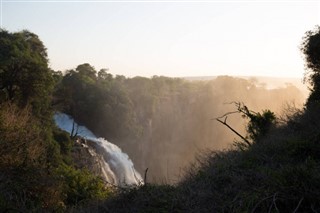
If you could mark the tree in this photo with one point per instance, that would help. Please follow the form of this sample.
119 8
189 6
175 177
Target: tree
259 123
310 47
104 75
87 71
24 74
258 126
97 100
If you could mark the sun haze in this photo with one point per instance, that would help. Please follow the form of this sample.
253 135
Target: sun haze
171 38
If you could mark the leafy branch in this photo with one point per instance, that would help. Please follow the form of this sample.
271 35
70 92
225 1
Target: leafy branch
259 123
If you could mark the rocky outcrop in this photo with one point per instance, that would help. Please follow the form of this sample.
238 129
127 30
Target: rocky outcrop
85 157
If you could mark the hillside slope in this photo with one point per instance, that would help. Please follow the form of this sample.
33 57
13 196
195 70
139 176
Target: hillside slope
281 173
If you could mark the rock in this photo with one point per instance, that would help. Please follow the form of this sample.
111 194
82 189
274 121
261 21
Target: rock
85 157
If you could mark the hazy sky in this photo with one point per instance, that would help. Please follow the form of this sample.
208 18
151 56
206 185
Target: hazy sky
171 38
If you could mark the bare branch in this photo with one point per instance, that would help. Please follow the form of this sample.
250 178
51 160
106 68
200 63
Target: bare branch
233 130
226 114
145 176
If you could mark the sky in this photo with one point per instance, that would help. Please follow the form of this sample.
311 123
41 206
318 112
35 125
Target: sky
169 38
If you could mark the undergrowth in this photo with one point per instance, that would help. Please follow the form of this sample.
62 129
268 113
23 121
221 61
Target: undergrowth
281 173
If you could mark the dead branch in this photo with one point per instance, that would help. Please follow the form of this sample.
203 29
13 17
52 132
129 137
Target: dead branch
145 176
233 130
74 131
226 114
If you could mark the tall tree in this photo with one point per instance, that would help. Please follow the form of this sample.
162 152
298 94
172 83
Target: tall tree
24 74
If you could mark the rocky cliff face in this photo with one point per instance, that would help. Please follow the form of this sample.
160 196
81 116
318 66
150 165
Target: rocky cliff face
85 157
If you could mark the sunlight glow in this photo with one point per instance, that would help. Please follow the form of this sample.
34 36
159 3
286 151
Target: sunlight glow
171 38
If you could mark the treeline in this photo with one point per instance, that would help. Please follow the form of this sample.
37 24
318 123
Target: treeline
162 122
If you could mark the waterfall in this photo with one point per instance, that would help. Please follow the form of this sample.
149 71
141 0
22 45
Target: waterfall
117 167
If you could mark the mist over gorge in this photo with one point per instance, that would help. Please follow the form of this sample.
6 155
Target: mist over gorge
163 123
182 124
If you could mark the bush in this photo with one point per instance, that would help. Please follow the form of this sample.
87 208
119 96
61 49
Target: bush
21 138
80 186
65 143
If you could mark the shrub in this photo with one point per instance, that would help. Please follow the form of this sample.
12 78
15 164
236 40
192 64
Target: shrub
80 186
21 139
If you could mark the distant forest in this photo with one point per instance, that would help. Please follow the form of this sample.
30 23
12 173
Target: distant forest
161 122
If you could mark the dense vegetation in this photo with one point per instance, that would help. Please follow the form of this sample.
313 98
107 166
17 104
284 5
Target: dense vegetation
171 116
159 121
36 170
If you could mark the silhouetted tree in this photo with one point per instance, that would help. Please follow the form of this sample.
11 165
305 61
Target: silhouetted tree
311 49
259 123
258 126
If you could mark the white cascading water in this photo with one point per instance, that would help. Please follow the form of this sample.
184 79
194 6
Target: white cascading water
117 166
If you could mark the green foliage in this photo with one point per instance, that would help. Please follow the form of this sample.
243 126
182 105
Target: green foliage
21 138
99 102
24 74
172 114
259 124
29 178
257 127
65 143
81 186
25 161
64 140
33 153
29 189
